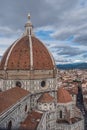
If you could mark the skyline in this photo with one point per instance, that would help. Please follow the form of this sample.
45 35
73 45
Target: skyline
61 25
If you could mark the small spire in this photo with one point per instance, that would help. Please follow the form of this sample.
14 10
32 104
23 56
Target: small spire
28 26
29 22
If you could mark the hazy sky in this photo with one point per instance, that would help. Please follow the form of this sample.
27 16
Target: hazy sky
60 24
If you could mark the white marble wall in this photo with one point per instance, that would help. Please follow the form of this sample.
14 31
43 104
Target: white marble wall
42 123
30 85
76 126
46 106
51 120
65 108
15 114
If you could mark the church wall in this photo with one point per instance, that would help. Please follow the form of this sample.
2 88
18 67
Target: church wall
46 106
42 123
51 120
30 85
27 74
74 98
34 100
68 111
2 74
15 114
65 108
76 126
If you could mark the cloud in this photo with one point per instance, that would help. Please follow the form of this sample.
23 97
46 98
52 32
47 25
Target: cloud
70 51
5 43
75 26
8 32
43 12
61 24
81 39
85 55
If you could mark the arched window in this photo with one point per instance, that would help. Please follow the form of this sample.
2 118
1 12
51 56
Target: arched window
18 84
60 114
9 127
25 108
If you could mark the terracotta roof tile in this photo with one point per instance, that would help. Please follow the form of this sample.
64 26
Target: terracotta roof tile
69 121
20 55
63 96
73 90
46 98
32 121
11 97
2 63
42 59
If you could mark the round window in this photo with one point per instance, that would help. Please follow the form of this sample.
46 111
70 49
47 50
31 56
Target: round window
43 83
18 84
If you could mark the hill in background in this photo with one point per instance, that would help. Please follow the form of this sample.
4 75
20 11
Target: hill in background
73 66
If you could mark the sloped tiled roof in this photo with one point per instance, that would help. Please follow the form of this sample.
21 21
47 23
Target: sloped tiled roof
11 97
32 121
73 90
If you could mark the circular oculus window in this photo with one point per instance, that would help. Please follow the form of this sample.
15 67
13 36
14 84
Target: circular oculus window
18 84
43 84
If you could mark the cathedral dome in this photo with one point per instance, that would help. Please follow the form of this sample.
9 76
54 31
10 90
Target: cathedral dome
27 53
63 96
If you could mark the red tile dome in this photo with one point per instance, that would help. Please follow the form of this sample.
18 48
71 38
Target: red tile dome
46 98
27 53
63 96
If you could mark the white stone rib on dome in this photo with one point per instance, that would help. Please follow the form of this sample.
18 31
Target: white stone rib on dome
6 62
53 61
